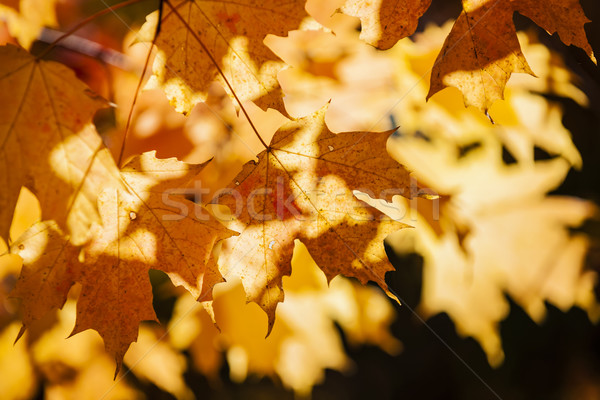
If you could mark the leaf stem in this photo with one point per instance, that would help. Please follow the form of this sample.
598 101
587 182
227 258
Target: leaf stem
219 70
137 90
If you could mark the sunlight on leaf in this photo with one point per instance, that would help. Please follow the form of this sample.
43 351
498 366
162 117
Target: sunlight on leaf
50 268
303 205
301 187
143 228
480 54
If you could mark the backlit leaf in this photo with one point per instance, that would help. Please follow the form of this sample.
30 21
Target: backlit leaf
302 187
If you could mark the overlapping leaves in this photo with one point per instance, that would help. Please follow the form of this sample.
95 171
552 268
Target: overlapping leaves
105 228
131 228
121 217
138 232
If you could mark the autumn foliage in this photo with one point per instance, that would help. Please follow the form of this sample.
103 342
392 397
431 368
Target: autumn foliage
284 109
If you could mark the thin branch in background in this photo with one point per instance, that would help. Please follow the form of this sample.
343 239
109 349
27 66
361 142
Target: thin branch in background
87 47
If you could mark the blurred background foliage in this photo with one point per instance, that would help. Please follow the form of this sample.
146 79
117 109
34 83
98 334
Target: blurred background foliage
498 279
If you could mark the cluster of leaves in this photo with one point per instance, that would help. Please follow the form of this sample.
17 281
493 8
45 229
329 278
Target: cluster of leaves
105 227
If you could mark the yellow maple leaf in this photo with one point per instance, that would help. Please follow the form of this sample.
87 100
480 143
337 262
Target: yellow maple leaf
19 380
200 40
497 233
527 120
482 50
490 236
480 54
48 145
302 187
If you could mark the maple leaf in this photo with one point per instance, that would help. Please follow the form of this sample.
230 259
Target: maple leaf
199 40
384 22
564 17
497 232
141 230
482 50
302 187
49 145
480 54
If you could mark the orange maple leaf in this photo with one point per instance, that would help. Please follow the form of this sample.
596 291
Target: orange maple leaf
482 50
302 187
